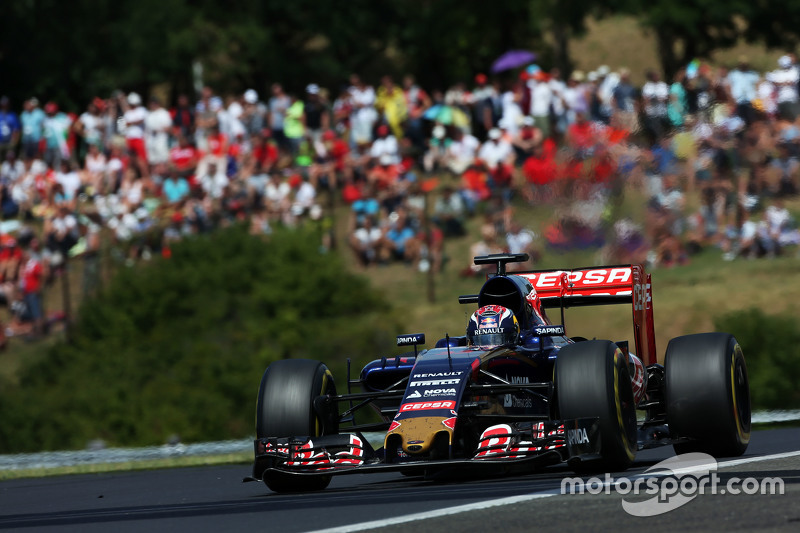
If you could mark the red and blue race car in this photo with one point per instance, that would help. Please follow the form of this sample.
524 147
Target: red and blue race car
515 393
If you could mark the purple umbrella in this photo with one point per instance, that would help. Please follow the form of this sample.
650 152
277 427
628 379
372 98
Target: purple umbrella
513 59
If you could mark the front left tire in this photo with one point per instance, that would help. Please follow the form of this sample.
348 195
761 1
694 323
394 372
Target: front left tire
285 408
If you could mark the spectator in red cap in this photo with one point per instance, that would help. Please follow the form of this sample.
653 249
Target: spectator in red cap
482 103
385 145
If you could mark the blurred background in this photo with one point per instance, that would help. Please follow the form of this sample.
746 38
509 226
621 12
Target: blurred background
190 192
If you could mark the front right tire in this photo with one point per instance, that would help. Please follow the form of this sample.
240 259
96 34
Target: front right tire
592 380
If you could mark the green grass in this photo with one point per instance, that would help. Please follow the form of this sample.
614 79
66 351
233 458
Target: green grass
149 464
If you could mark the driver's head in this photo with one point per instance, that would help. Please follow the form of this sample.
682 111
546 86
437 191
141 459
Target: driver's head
492 325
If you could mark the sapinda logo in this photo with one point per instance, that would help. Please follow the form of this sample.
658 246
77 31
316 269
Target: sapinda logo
424 406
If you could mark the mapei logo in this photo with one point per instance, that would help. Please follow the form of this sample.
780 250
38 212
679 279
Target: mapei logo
425 406
577 436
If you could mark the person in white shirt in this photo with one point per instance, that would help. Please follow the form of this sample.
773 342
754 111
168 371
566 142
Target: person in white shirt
69 180
214 182
276 194
364 115
743 82
385 144
541 101
655 96
134 116
366 241
786 79
498 155
157 124
607 82
558 102
461 152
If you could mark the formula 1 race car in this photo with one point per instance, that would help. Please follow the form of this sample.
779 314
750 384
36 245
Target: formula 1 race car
512 395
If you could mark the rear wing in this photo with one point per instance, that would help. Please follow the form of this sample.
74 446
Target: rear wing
618 284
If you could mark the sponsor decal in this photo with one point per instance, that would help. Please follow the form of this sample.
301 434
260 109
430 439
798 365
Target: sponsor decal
581 278
498 442
437 375
439 392
484 331
425 406
450 422
520 403
548 330
394 425
408 340
642 297
577 436
488 322
414 394
434 382
518 380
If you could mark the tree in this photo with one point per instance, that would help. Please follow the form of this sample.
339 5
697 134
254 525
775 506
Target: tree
688 29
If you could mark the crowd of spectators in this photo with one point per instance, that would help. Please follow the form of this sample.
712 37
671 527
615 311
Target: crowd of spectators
715 151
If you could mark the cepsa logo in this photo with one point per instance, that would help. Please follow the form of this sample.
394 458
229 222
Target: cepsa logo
600 276
425 406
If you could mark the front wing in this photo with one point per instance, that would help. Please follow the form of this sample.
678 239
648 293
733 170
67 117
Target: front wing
502 449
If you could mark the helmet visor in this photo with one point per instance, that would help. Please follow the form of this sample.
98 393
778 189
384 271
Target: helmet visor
492 339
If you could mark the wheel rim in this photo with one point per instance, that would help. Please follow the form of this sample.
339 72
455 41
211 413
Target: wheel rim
741 398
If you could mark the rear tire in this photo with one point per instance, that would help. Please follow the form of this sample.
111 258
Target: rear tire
708 394
592 380
285 408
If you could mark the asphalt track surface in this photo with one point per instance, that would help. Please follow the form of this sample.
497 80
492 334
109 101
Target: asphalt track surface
215 499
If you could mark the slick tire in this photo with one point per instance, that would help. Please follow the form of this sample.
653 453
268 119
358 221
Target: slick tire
285 408
708 394
592 380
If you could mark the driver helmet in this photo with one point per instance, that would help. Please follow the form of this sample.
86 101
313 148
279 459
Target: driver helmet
492 325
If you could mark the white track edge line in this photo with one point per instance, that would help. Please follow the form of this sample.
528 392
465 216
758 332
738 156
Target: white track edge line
510 500
436 513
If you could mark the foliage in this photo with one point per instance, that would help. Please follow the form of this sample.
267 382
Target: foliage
769 343
83 48
178 347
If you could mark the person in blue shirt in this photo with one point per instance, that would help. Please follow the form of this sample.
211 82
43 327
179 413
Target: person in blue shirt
401 239
175 187
9 127
32 119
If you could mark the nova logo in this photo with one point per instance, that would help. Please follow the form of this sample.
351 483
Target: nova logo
415 394
577 436
518 380
438 392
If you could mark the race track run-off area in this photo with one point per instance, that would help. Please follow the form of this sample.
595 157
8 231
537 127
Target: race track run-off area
214 499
